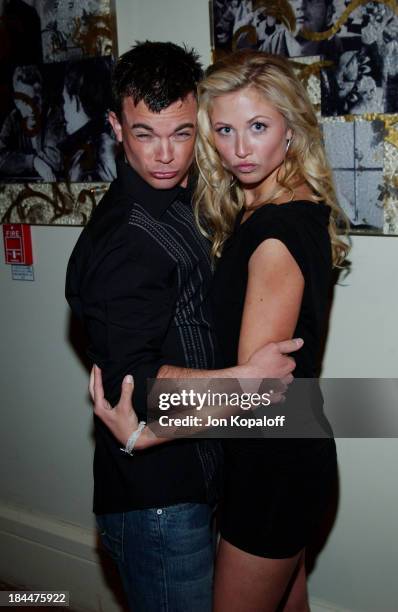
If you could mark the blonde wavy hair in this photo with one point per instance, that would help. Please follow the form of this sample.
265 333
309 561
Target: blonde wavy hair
218 196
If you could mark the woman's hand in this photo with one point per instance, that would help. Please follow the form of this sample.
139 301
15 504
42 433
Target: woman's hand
121 419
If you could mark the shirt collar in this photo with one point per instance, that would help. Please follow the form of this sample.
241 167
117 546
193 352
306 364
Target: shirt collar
155 201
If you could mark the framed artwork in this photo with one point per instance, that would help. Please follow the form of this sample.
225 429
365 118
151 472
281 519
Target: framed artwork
346 53
57 151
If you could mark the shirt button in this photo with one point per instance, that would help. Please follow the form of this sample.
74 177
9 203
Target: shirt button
159 511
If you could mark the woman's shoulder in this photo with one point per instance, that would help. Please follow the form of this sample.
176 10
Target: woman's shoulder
295 207
295 216
301 225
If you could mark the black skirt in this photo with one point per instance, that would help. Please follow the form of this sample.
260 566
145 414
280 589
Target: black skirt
275 493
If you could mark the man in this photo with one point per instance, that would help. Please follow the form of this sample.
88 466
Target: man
310 16
89 149
139 277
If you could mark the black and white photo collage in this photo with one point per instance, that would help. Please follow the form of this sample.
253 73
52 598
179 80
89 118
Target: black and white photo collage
55 66
352 46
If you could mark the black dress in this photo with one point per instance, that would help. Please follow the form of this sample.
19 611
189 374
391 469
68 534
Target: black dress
275 489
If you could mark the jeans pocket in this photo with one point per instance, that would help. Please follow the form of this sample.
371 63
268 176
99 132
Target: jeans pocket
111 530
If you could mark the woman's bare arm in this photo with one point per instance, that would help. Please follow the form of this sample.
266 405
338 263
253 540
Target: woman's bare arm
273 298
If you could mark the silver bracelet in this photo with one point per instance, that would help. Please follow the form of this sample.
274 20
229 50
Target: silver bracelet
133 439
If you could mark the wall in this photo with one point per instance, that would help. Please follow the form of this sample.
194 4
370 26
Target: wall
47 533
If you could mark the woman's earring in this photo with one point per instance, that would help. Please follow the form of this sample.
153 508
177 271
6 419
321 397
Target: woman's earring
288 144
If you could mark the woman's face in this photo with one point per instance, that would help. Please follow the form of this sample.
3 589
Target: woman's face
346 73
367 88
250 135
28 101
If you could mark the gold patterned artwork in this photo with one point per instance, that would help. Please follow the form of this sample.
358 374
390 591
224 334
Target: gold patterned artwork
77 28
342 20
49 204
346 54
308 69
92 35
386 190
41 39
283 13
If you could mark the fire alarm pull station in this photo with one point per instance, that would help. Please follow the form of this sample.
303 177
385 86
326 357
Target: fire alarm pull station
17 244
18 250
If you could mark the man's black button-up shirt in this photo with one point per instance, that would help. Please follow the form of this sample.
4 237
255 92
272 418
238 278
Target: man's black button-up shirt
138 278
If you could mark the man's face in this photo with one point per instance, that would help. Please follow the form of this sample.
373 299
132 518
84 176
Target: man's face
159 146
311 15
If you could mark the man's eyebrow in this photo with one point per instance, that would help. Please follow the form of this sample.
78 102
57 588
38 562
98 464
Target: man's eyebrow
143 126
184 126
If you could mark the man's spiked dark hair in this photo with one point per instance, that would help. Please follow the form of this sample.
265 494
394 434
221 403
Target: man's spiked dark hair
157 73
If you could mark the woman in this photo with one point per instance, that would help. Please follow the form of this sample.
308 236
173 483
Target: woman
266 199
265 191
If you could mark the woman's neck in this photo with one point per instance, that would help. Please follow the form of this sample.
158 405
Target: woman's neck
261 194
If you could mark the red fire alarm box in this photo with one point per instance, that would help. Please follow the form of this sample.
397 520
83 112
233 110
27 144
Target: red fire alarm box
17 244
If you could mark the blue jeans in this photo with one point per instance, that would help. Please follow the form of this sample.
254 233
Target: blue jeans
164 555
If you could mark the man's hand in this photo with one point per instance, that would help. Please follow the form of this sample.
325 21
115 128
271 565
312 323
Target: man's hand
272 361
121 420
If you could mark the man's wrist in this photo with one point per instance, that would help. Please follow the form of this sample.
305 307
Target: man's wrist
241 371
163 372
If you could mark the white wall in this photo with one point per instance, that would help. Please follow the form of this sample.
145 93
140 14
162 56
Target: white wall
46 526
356 568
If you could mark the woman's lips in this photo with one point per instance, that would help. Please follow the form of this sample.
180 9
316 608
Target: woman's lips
245 167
